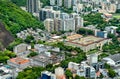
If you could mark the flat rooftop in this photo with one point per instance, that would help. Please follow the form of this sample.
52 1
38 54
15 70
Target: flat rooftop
73 37
19 60
87 40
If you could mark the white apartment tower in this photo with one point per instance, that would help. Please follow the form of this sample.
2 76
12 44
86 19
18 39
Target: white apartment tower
52 2
68 3
49 25
59 2
33 6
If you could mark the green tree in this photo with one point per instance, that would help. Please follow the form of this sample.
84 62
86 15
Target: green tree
32 54
29 39
68 73
111 73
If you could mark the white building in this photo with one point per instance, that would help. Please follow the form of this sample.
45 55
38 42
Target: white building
49 25
93 59
52 2
68 24
113 60
73 66
59 72
111 29
59 2
33 6
22 50
68 3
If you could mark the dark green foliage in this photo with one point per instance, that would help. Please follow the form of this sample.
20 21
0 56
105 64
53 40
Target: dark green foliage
67 10
111 73
68 73
16 19
45 2
29 39
30 73
85 31
19 2
5 55
32 54
14 43
78 77
95 19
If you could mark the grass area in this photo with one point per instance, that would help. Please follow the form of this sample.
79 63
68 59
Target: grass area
92 52
116 15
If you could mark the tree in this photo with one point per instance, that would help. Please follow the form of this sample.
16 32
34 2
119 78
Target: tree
111 73
68 73
32 54
29 39
78 77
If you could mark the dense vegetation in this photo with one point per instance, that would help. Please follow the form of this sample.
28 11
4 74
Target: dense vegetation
85 31
23 2
16 19
6 55
95 19
19 2
30 73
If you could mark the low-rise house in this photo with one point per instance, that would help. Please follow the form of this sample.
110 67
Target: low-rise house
82 69
40 60
18 62
5 73
22 50
46 58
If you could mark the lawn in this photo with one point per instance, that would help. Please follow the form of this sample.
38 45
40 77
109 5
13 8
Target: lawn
116 15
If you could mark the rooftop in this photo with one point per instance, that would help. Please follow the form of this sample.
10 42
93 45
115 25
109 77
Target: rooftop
19 60
84 41
73 37
41 58
115 57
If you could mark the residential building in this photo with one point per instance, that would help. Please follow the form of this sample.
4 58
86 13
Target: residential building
64 16
59 2
68 24
73 66
75 2
78 22
48 13
82 69
111 29
78 8
90 72
49 25
41 60
6 73
57 24
33 6
68 3
93 59
22 50
46 58
52 2
47 75
113 60
18 62
59 72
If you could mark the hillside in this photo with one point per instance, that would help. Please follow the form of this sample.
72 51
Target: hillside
15 19
23 2
5 37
